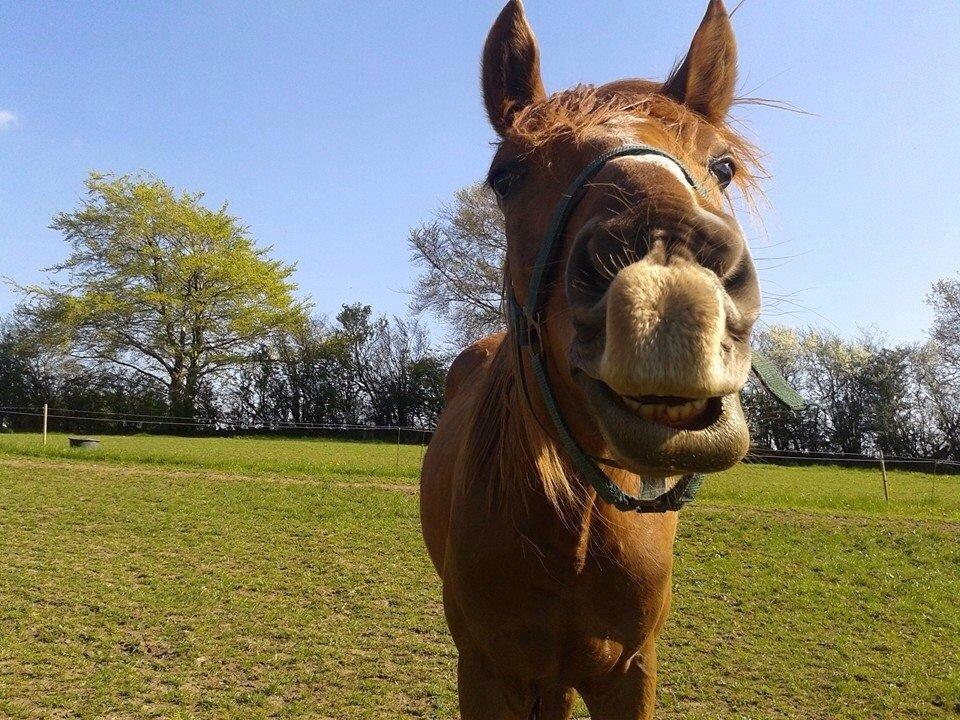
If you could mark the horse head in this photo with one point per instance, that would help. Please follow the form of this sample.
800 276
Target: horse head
647 318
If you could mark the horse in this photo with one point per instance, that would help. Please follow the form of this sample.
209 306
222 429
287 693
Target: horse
629 353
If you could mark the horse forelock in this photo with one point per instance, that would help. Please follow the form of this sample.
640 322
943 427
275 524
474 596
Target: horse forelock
574 113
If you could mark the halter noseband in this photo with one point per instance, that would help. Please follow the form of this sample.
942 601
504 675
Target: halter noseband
526 322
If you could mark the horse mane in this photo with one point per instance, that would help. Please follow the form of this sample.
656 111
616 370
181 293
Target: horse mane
505 432
507 438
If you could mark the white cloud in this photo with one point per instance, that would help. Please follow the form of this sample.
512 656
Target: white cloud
7 119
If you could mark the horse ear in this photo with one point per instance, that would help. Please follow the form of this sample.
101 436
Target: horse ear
705 80
511 67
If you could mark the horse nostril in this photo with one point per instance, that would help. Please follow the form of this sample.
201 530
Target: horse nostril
718 246
602 248
591 267
587 332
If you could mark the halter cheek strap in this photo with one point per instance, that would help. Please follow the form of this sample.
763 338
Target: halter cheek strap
526 325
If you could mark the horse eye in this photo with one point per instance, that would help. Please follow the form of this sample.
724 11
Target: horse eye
503 181
723 169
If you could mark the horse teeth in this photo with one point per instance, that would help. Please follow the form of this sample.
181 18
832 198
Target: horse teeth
667 414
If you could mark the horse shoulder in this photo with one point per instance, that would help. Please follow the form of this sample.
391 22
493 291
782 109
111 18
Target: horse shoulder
439 463
468 361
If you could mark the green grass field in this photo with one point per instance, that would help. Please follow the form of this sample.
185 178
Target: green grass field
262 455
255 578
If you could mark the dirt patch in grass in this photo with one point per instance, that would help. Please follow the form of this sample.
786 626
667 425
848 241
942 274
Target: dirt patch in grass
128 471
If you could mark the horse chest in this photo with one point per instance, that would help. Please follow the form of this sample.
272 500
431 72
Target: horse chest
556 599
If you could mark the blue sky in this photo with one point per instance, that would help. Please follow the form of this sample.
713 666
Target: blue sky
331 128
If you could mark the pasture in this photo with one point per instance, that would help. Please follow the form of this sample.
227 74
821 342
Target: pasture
245 578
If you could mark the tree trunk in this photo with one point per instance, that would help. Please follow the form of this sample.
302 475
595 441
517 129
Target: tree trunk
190 391
182 394
175 395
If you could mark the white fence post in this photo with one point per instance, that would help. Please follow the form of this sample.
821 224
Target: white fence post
883 469
45 409
397 464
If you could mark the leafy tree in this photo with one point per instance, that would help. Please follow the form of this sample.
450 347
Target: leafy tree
25 379
772 425
160 284
861 389
299 376
314 362
30 377
363 370
865 393
935 403
939 365
893 423
461 252
944 298
103 392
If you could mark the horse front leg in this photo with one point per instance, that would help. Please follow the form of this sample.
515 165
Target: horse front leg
486 696
627 694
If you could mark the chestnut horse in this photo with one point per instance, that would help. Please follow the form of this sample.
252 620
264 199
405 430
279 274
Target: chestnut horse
642 315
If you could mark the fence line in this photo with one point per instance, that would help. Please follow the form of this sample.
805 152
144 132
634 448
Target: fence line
755 454
765 453
225 423
104 412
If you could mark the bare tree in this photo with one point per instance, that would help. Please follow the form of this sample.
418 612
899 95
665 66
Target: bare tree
461 253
